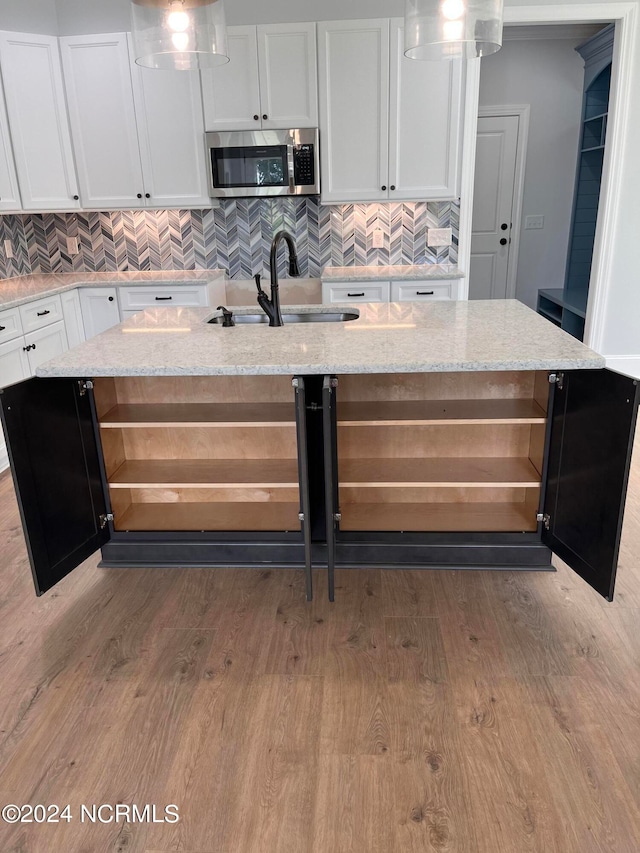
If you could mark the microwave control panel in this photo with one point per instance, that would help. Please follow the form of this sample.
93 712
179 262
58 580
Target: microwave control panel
303 165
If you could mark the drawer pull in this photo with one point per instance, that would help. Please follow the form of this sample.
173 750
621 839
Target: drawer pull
28 348
2 328
163 298
424 292
356 294
42 313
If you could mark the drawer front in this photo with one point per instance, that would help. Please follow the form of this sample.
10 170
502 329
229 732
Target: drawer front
421 291
360 291
10 325
139 298
44 312
14 363
46 344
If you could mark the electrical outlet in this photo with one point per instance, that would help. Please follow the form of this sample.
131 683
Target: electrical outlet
8 249
378 238
72 246
534 223
438 237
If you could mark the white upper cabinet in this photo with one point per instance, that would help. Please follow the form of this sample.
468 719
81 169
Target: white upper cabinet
391 126
354 110
171 133
288 68
103 123
424 131
231 93
270 80
37 113
9 192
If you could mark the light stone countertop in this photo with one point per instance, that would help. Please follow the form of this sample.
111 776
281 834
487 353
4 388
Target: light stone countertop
26 288
386 338
404 272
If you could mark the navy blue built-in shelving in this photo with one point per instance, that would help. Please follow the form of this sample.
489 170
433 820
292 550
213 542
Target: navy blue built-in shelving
566 307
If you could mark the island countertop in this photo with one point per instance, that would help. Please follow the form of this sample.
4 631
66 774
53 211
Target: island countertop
386 338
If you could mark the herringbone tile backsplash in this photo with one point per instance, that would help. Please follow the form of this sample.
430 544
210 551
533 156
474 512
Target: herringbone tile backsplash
235 236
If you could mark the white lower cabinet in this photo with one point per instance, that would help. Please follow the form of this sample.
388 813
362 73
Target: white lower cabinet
14 362
72 313
356 291
45 344
421 291
100 309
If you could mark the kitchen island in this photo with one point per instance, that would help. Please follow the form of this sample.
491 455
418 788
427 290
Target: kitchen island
457 434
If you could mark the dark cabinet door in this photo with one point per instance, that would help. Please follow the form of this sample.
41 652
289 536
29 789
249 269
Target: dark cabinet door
56 469
593 423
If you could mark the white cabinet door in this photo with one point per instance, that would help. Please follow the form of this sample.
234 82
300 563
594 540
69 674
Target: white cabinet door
45 344
103 122
231 92
100 309
354 110
14 362
9 192
38 121
171 133
287 59
424 130
72 313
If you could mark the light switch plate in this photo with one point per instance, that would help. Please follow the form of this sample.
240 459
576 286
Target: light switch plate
438 237
378 239
533 223
8 249
72 246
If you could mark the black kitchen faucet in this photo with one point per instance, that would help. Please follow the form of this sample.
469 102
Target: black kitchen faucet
271 307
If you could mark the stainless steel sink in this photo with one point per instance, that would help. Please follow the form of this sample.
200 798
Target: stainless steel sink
311 317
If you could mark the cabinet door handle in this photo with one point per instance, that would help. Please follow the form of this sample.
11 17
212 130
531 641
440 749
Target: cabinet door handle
147 195
503 241
111 299
26 349
33 346
383 188
356 294
76 198
265 116
424 292
164 298
42 313
139 195
392 187
256 117
2 328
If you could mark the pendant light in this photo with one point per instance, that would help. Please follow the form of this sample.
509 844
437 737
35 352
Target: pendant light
179 35
452 29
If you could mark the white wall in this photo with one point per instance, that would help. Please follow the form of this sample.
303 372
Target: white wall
548 75
31 16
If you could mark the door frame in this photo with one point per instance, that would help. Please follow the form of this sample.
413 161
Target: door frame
522 111
623 14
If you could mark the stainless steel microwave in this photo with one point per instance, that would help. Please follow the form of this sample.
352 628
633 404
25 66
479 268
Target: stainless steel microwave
263 163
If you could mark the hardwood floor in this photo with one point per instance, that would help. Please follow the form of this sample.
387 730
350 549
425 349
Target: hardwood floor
423 711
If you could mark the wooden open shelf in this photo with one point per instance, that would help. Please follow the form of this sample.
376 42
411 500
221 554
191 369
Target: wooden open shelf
148 415
205 473
475 472
264 516
439 517
440 412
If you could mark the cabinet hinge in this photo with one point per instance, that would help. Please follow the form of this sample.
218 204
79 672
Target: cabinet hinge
105 518
337 516
85 385
295 382
545 518
301 516
556 379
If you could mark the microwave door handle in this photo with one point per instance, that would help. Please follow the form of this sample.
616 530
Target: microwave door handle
292 184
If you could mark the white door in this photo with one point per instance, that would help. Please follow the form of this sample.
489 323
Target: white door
37 113
353 58
288 65
100 310
171 132
493 198
425 118
9 192
231 92
103 123
46 344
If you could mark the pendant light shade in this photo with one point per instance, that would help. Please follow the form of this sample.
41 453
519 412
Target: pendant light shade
452 29
179 35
